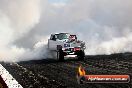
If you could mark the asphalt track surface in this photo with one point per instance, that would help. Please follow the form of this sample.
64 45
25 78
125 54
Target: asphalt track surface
48 73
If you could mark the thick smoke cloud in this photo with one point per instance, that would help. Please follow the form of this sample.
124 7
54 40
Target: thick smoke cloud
17 18
105 26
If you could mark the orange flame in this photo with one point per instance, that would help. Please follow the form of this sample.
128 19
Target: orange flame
81 71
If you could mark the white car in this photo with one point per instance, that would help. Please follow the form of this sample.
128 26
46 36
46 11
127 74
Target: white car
65 44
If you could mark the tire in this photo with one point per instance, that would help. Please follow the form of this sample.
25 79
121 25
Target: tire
80 55
60 55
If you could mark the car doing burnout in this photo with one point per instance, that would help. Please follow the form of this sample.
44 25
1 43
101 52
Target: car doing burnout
65 44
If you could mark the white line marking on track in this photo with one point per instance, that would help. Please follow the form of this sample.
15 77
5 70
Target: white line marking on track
9 80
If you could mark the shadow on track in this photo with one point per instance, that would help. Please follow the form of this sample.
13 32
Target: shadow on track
46 61
87 57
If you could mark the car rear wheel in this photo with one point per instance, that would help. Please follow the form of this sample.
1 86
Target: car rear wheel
80 55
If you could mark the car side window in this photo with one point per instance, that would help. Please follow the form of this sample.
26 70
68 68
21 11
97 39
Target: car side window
53 37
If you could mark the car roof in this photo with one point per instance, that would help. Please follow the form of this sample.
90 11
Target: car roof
61 33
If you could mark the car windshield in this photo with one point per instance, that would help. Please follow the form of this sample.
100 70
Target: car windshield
62 36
